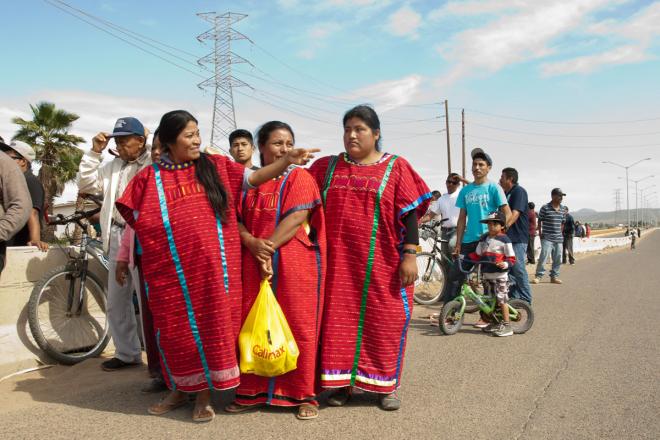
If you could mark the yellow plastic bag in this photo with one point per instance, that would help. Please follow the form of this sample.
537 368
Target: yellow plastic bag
266 343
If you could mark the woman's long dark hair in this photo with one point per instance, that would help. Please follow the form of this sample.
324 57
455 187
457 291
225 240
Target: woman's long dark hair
263 134
171 125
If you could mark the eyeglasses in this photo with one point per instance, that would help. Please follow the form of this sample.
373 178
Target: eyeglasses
453 182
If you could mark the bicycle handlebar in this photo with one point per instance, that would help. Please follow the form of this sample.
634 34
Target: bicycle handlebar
462 259
74 218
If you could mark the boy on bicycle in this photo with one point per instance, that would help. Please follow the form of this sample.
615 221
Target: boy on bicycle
495 247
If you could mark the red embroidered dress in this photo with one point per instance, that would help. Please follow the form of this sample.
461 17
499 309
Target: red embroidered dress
298 283
366 312
192 271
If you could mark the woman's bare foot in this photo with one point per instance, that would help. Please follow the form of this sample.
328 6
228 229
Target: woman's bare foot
203 411
307 411
172 401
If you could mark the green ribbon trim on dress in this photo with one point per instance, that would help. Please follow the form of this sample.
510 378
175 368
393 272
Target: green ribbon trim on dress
370 266
328 176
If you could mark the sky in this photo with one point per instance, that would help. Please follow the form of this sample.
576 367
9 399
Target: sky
551 88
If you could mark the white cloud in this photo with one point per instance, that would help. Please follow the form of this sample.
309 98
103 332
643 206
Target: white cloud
316 36
525 35
388 95
404 22
590 63
467 8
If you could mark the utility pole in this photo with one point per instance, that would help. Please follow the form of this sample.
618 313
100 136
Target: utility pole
463 138
222 82
447 130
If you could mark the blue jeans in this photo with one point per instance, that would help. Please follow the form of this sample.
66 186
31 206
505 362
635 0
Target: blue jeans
555 249
518 273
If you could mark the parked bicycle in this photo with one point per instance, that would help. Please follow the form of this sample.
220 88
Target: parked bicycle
521 313
67 308
433 268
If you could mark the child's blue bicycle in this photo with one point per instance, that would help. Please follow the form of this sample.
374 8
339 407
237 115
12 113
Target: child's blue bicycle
521 313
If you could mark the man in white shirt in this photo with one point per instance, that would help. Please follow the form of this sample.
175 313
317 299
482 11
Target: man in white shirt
445 208
109 179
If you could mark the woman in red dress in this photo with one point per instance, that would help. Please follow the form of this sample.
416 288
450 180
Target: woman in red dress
183 210
284 234
372 202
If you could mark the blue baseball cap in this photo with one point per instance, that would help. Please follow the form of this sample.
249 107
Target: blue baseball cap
127 126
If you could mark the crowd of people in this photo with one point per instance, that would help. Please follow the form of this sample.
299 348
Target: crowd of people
195 233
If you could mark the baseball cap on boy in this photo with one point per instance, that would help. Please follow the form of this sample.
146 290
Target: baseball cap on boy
128 126
23 149
557 192
478 153
497 216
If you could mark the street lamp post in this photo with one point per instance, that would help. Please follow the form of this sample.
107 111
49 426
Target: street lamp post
647 202
641 197
636 197
627 184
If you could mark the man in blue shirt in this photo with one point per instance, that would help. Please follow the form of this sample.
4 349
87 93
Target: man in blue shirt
476 201
518 232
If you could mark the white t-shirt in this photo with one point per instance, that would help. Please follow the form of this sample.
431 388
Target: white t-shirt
445 207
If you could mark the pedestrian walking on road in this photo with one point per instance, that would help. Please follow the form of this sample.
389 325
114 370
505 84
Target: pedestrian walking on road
568 232
633 239
373 201
531 250
517 229
551 220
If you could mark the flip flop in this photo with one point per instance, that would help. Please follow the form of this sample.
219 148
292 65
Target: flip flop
314 412
206 414
163 407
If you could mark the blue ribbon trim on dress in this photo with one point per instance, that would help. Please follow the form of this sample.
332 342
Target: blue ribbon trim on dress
179 271
162 356
406 308
223 257
310 205
415 204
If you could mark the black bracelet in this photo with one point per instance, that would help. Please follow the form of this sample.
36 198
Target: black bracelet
410 251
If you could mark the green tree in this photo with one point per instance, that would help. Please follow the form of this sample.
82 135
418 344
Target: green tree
56 149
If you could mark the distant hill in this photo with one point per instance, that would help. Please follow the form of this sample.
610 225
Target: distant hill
587 215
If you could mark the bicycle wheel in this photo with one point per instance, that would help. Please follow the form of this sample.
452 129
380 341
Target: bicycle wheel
432 275
69 337
451 320
525 318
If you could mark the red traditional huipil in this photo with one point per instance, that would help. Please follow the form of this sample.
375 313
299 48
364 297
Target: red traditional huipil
192 271
298 283
366 312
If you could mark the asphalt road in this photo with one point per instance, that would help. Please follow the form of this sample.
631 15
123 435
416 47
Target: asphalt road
588 369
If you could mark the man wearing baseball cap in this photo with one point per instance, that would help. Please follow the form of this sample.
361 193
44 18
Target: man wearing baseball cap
30 234
476 201
109 179
14 202
550 222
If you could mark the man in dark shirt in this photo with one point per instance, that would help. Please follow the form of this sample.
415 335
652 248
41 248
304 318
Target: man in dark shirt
30 235
518 232
569 232
531 214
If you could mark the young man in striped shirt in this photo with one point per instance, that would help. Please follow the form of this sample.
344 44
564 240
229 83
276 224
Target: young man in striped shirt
550 224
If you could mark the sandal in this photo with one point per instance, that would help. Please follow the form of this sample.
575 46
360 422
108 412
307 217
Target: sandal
307 411
340 397
390 402
162 407
237 408
203 414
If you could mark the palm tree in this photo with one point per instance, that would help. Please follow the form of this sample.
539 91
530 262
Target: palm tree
56 149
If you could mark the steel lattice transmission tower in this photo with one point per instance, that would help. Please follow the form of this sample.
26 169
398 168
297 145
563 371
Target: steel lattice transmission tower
222 82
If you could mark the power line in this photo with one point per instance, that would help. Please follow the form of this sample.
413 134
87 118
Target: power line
561 122
50 2
565 135
578 147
